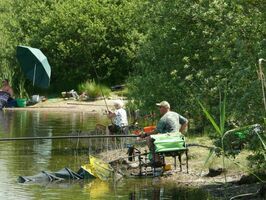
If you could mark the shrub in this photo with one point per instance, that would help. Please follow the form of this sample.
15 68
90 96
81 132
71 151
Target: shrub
93 90
122 93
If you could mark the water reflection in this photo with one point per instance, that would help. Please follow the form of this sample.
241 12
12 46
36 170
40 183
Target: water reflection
40 123
133 189
97 189
5 122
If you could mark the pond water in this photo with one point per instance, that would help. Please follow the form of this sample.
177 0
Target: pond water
30 157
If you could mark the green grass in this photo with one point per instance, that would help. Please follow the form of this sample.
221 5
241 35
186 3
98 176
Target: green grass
94 90
121 93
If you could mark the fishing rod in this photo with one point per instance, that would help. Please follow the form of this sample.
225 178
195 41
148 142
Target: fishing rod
84 136
65 137
101 88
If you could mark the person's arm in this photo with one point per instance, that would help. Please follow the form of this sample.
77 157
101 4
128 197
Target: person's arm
11 92
184 123
159 129
143 135
183 128
111 114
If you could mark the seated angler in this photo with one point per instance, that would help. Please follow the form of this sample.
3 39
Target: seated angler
6 93
119 119
170 122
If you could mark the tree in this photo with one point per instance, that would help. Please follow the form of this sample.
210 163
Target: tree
80 37
197 49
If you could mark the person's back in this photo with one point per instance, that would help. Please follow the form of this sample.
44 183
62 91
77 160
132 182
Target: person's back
169 123
121 117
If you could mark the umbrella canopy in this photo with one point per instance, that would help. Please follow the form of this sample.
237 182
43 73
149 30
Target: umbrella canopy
35 65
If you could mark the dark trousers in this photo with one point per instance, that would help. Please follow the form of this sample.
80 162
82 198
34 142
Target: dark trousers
114 129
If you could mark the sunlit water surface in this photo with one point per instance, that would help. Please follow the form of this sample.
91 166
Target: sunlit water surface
27 158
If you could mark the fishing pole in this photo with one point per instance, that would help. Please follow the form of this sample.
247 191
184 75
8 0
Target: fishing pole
65 137
100 87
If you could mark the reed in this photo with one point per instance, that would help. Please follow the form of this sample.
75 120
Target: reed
21 89
219 128
226 139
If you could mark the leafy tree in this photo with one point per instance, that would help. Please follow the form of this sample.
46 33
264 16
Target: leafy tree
80 37
199 47
6 42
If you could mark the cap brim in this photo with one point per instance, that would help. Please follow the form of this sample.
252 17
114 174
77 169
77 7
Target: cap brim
158 104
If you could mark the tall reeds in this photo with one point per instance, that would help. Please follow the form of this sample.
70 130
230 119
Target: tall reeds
219 128
22 93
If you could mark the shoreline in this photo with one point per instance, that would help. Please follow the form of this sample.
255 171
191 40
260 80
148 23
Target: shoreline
68 105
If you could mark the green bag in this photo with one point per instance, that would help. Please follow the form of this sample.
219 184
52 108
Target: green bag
169 142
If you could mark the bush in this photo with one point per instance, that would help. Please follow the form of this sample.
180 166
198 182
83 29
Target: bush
121 93
93 90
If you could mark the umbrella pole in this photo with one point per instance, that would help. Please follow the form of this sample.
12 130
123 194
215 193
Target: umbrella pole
34 73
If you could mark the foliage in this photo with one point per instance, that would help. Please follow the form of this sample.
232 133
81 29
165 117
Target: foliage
164 50
6 43
93 90
168 49
250 137
77 37
239 138
263 82
194 47
121 93
220 129
230 143
256 143
22 93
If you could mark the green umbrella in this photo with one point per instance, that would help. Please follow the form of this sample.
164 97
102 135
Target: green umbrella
35 65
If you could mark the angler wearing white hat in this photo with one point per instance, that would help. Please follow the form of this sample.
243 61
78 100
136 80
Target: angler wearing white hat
119 119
